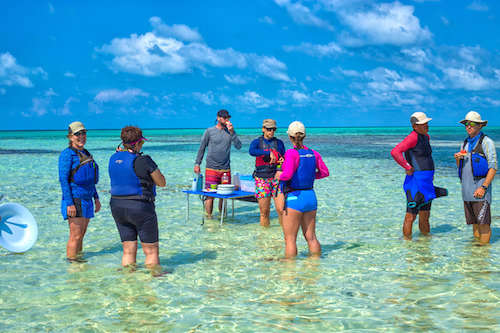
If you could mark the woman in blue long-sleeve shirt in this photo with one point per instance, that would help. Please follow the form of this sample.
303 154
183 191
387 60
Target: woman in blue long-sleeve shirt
78 175
268 152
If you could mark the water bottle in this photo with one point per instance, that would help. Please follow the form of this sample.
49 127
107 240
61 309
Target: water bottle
225 179
199 182
236 181
194 187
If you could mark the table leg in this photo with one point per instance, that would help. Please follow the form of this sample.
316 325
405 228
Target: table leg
233 206
187 207
222 212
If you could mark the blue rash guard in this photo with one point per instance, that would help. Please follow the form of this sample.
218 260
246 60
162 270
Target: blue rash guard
69 160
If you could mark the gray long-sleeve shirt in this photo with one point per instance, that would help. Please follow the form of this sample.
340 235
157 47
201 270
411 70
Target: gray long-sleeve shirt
219 148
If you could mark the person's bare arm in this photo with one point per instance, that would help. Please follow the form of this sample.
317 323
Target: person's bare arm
158 178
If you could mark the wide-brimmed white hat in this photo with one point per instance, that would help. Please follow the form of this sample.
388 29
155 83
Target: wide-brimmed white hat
295 128
419 118
475 117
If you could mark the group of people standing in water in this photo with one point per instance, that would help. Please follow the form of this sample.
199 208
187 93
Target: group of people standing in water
286 176
134 178
477 166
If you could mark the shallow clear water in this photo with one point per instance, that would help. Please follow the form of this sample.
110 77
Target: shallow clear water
229 278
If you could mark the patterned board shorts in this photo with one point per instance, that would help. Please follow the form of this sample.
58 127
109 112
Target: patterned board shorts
267 187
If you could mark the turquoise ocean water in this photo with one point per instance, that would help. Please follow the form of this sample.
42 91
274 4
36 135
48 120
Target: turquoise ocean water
228 278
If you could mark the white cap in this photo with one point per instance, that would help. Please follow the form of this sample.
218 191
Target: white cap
419 118
295 128
475 117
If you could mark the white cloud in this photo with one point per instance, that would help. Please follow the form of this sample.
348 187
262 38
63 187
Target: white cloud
236 79
69 74
177 31
296 96
124 98
266 20
479 6
66 108
316 50
269 66
384 80
13 74
468 78
154 55
301 14
206 98
386 24
119 96
43 104
253 99
497 74
472 55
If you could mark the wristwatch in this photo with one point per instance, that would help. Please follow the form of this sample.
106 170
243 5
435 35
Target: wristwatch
485 187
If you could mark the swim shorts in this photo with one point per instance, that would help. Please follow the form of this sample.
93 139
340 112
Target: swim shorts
213 176
477 212
415 210
84 208
267 187
303 201
135 218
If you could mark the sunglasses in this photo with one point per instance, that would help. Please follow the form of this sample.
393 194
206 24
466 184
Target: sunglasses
226 117
270 129
141 139
470 123
80 133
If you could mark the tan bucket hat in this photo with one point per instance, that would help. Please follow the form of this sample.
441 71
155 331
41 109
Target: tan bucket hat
475 117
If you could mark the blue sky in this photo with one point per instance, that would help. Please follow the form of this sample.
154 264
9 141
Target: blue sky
173 64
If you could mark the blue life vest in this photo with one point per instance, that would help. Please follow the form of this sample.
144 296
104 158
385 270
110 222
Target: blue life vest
303 178
420 156
87 171
124 182
262 167
479 162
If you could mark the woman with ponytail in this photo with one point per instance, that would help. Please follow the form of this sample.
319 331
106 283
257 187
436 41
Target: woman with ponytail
301 167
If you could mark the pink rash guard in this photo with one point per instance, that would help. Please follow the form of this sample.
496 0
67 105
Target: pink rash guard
291 163
409 142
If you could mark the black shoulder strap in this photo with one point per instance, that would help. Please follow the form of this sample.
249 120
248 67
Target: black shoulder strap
80 154
261 141
481 138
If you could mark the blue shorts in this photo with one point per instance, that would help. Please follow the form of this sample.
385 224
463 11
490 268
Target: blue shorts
84 208
303 201
135 218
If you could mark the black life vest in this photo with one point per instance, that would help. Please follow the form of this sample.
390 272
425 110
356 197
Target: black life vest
420 156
